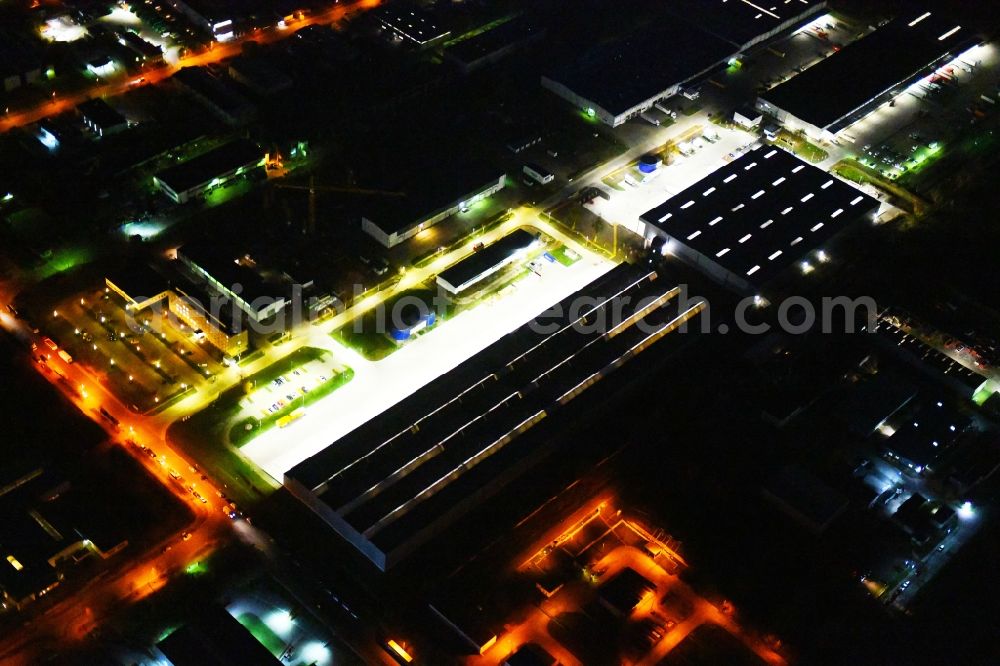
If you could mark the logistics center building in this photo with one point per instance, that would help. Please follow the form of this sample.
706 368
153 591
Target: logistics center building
616 82
747 222
395 482
847 86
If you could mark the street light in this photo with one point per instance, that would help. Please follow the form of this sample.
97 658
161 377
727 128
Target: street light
966 511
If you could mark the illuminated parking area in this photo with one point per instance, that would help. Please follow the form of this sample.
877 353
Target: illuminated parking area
888 118
379 385
62 29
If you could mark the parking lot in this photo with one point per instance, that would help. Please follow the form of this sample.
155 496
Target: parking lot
143 360
923 124
289 389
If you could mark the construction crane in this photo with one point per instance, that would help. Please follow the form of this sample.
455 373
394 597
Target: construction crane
312 188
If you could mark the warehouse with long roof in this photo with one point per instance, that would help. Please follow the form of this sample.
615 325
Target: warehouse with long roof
845 87
749 221
395 482
617 81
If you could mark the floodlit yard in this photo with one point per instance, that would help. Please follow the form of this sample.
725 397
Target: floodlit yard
376 386
625 207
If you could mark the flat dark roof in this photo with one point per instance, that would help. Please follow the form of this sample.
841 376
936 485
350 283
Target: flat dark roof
260 72
138 280
472 49
625 589
221 265
760 213
478 263
709 645
530 654
623 74
17 54
742 22
429 189
214 163
215 638
894 55
100 113
213 89
806 494
928 433
692 37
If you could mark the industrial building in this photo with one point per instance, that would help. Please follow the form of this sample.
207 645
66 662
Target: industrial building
395 482
494 44
144 51
21 63
617 81
763 212
218 96
748 117
211 316
411 23
893 330
218 166
623 592
227 19
238 280
43 531
926 437
259 75
429 200
101 118
215 638
804 498
486 262
845 87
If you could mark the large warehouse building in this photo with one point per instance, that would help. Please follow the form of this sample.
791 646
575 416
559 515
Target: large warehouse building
431 195
749 221
844 88
396 481
618 81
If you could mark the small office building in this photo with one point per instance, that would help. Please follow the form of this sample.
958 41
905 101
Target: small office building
211 317
101 118
486 262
